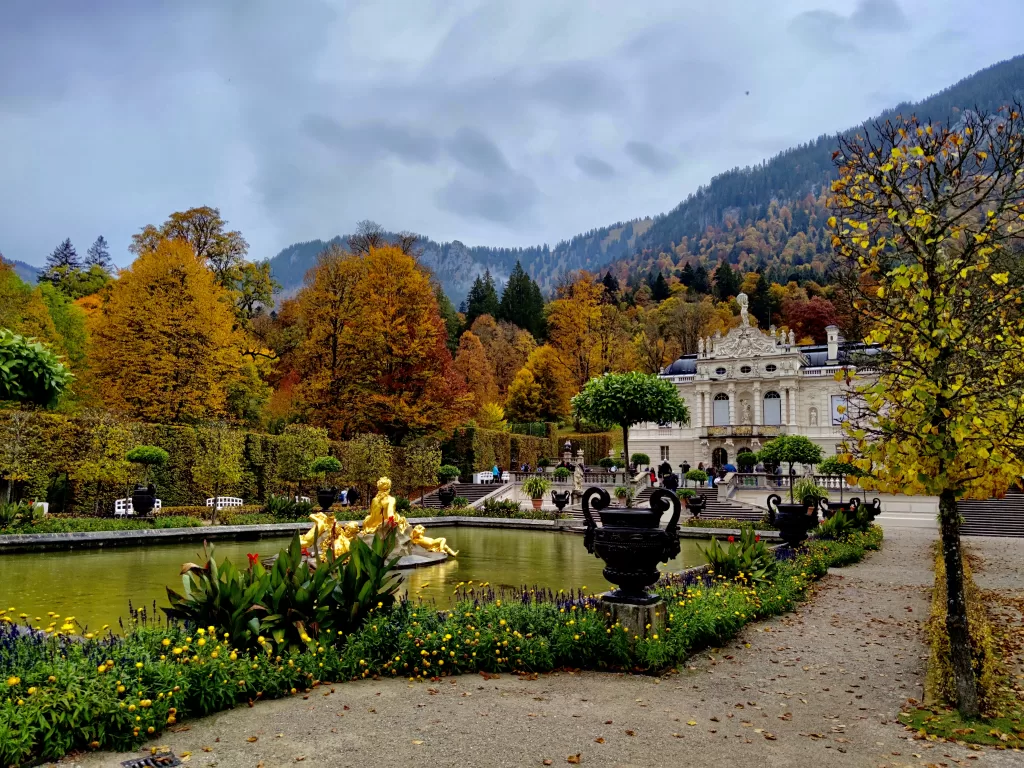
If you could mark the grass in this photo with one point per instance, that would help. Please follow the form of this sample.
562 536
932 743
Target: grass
1003 731
757 525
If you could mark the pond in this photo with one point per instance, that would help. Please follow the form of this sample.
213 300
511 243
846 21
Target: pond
95 585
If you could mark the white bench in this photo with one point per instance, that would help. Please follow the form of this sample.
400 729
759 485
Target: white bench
225 501
124 508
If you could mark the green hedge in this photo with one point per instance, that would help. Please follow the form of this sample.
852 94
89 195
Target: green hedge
472 449
595 446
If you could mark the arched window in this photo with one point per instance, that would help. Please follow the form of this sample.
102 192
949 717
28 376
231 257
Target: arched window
721 410
772 408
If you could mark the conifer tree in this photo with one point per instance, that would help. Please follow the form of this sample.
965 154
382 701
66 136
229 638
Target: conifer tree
482 298
611 287
701 283
659 288
98 255
521 302
761 303
64 259
727 282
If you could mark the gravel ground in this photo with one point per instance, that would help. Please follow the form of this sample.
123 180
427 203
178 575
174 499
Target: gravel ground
820 686
999 572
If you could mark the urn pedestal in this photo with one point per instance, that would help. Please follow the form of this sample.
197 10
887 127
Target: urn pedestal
143 499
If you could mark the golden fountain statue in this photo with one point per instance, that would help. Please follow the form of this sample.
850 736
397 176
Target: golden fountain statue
412 546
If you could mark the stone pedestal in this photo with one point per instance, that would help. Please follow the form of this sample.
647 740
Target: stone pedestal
640 620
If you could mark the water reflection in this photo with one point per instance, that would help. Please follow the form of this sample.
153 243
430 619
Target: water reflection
96 585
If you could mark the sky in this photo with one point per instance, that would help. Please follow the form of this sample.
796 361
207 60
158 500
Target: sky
494 123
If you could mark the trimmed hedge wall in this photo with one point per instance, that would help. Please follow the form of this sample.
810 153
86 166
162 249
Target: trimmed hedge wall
595 445
472 449
71 461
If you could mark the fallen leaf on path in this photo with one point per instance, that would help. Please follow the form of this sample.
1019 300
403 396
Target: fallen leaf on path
677 735
769 736
691 722
417 741
207 749
599 740
547 762
253 739
575 759
607 722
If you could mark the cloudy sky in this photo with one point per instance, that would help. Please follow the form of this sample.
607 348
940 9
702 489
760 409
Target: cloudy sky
495 123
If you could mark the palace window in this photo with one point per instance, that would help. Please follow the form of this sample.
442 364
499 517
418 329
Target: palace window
720 371
720 412
840 409
772 408
771 368
664 453
745 369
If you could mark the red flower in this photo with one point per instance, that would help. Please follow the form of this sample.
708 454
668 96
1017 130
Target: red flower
305 551
253 559
757 537
732 539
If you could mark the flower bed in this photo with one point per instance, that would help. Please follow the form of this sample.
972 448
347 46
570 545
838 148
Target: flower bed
65 693
727 522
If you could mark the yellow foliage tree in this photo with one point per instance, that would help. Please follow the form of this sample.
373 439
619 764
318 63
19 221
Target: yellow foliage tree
507 346
474 369
589 335
929 217
164 346
541 390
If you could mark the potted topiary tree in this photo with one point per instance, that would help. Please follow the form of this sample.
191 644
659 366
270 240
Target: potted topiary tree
640 460
446 476
324 467
607 462
561 474
833 466
535 488
146 457
746 460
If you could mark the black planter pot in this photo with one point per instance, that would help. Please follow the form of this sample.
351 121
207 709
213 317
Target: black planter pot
446 495
829 508
631 543
872 510
792 520
560 499
326 497
143 499
696 505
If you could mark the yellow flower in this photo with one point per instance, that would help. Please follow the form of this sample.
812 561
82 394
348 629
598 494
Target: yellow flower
233 656
151 729
165 642
101 668
176 651
146 703
32 690
51 679
202 640
120 689
200 631
13 681
138 665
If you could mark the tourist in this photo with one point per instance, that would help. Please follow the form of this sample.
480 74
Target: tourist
343 497
665 469
496 472
654 478
700 468
759 468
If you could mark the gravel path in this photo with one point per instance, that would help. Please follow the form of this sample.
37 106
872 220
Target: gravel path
820 686
999 572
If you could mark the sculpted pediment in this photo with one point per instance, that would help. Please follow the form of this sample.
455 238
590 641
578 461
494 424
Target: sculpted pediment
745 341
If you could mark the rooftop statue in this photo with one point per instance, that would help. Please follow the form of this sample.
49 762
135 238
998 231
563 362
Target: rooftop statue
410 541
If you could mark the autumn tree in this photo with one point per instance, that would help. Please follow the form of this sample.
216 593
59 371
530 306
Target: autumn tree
63 258
473 368
928 212
524 398
204 230
810 318
218 461
507 348
374 357
164 346
589 335
653 345
541 389
685 322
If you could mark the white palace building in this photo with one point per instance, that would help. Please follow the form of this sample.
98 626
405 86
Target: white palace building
749 386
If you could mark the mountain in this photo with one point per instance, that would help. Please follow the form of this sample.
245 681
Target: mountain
26 272
457 265
768 215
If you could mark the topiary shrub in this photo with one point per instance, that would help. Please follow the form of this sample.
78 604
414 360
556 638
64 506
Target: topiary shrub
607 462
561 473
447 474
697 476
640 459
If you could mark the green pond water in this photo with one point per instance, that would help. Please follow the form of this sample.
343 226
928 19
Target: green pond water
96 585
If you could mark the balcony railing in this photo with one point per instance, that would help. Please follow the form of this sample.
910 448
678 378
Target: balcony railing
745 430
765 481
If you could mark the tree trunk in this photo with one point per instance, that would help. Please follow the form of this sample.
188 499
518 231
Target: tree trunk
960 656
625 449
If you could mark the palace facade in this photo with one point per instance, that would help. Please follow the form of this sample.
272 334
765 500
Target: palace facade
746 387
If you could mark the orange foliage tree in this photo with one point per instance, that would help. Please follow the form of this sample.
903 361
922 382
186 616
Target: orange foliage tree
474 369
373 358
163 345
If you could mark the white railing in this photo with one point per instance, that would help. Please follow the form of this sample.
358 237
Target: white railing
225 501
124 508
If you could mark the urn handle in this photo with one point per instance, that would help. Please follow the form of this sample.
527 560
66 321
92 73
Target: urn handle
773 507
876 504
661 501
600 499
823 505
854 503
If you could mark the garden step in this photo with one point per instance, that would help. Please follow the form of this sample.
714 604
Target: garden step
471 492
993 517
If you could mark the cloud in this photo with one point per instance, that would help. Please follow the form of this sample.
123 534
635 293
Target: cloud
594 167
475 120
650 157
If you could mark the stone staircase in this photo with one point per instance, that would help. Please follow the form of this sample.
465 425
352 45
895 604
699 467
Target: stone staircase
472 492
993 517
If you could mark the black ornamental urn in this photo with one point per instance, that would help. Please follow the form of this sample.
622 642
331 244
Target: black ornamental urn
560 499
143 499
326 497
870 511
794 521
829 508
631 542
446 495
696 505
